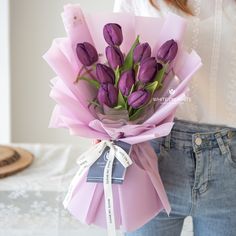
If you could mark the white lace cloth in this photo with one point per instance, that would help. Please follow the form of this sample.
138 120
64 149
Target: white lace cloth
31 201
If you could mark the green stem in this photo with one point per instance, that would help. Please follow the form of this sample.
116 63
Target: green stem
130 110
89 73
78 76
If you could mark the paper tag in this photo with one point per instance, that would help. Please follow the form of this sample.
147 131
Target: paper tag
96 171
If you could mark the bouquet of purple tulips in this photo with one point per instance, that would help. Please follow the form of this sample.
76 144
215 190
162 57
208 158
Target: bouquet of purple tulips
123 91
125 82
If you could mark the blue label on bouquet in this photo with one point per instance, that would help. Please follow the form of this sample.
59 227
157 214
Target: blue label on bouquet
95 173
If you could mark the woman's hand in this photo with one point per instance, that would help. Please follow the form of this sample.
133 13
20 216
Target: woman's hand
96 141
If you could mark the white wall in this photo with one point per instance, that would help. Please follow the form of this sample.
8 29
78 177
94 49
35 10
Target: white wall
33 25
5 121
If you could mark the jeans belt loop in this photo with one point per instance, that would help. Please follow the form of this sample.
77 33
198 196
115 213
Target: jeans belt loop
221 143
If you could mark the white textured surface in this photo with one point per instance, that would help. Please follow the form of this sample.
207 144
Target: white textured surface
31 201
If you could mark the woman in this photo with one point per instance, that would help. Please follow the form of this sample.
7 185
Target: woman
197 161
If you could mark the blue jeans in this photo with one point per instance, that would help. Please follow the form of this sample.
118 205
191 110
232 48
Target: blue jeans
197 163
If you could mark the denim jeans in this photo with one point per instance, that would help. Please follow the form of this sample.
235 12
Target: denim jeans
197 164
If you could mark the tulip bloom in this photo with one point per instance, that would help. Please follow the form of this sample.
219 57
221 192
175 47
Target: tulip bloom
126 82
113 34
104 74
108 95
167 51
138 98
148 69
114 56
86 53
141 52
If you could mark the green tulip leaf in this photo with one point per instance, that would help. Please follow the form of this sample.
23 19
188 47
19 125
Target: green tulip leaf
132 89
151 87
121 100
137 114
136 68
117 75
118 107
91 81
160 75
128 63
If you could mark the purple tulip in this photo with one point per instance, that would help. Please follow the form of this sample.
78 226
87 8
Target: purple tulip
138 98
114 56
105 74
113 34
126 82
167 51
141 52
86 53
108 95
148 69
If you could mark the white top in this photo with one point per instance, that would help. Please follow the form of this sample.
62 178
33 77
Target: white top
212 33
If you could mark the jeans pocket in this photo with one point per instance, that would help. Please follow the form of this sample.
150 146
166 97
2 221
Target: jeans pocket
231 155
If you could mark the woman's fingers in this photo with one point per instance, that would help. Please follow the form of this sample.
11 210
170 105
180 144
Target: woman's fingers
95 141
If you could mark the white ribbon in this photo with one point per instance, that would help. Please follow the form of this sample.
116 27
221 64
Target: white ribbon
85 161
107 184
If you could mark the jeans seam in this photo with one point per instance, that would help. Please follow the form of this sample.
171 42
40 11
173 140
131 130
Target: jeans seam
210 166
193 201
